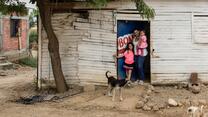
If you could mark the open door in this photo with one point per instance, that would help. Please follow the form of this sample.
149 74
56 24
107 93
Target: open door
125 29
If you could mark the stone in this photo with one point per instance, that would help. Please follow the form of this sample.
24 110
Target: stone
146 108
145 100
3 74
179 86
156 91
155 108
150 104
189 86
6 65
161 106
147 97
186 102
202 102
144 95
150 87
149 92
172 102
195 89
161 112
203 86
139 105
180 104
182 85
195 102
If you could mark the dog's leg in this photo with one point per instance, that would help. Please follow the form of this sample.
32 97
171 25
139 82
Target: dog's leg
109 90
197 113
121 94
127 74
114 94
201 111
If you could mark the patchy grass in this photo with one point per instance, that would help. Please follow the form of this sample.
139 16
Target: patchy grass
33 37
29 61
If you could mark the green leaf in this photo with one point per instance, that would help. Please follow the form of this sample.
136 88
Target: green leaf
144 10
13 6
98 3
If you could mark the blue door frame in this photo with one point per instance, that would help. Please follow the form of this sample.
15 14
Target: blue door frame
125 29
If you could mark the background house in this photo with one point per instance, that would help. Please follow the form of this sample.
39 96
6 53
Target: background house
178 41
13 35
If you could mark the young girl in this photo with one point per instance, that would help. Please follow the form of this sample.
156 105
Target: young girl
129 60
142 44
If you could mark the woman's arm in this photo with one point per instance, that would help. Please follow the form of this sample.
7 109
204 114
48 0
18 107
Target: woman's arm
144 39
120 56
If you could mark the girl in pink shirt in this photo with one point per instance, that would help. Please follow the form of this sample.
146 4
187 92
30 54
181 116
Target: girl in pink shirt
142 44
129 60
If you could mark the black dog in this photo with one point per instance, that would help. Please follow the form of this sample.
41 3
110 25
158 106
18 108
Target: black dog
114 84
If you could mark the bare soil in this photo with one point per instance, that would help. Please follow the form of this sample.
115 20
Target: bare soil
20 83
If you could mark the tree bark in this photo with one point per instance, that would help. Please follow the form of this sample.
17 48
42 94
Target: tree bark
53 47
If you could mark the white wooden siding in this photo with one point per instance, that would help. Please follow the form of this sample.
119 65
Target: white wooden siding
87 45
96 50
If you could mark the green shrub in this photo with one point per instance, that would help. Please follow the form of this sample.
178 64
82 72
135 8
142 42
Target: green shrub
33 37
29 61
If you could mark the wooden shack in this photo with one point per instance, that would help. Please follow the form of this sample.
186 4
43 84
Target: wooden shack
178 40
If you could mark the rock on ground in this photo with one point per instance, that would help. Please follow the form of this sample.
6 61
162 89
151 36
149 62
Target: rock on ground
172 102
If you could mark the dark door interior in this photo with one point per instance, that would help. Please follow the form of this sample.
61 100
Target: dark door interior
126 27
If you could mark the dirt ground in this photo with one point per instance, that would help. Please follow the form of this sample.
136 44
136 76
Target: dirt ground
20 82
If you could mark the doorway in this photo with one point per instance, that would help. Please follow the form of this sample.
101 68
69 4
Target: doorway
125 29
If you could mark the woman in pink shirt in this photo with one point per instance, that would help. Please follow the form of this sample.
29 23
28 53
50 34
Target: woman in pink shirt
129 60
141 48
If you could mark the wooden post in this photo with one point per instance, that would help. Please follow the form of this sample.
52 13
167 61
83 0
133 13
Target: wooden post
19 38
39 53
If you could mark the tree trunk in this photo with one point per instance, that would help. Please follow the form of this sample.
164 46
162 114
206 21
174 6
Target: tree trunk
53 47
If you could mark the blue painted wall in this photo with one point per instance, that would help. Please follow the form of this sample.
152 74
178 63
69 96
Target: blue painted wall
127 27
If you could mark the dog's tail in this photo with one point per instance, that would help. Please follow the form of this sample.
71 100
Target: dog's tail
106 74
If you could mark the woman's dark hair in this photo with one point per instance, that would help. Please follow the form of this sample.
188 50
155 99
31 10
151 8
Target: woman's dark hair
127 46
